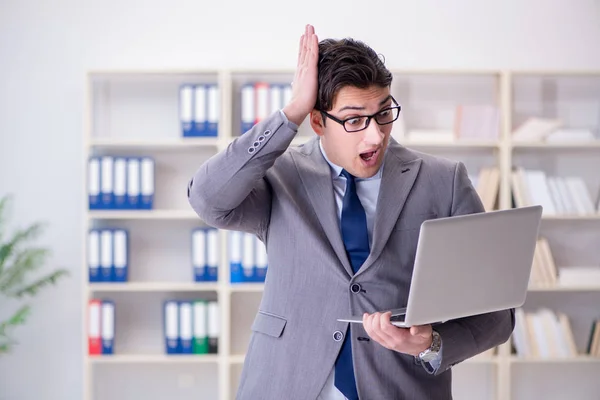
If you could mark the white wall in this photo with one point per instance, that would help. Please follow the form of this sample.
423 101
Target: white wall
45 48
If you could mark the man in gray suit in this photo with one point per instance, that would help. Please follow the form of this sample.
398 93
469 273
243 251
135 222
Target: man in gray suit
340 217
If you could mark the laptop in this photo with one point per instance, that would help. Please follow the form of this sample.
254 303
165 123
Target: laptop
468 265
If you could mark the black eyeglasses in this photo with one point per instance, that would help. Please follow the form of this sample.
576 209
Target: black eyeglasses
361 122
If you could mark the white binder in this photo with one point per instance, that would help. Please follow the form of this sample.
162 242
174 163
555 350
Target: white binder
106 255
107 182
248 256
212 126
120 183
212 240
199 259
147 184
108 327
186 98
171 327
94 196
235 257
94 274
121 256
185 326
200 111
133 183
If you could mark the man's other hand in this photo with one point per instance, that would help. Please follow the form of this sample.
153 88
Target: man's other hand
411 340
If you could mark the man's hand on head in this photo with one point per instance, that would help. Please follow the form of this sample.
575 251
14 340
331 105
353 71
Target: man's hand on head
411 340
304 86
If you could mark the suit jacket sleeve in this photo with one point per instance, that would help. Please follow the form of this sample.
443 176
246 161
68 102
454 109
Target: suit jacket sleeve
466 337
229 190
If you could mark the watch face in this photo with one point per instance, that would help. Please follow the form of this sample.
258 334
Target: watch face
432 352
436 343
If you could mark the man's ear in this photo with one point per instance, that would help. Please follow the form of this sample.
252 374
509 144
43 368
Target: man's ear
316 122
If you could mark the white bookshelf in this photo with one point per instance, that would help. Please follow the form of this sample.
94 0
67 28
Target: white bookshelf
143 215
160 144
153 287
155 359
136 113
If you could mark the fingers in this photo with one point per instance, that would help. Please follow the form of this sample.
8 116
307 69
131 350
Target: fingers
423 331
409 341
368 325
300 49
313 51
305 80
380 329
304 47
309 47
372 326
386 329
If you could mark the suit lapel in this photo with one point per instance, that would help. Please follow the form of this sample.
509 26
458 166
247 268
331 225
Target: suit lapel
397 181
316 178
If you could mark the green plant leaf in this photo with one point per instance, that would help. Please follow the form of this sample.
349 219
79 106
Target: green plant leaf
33 288
18 318
4 348
12 247
17 260
25 262
4 202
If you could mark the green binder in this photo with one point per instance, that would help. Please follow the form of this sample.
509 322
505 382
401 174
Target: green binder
200 344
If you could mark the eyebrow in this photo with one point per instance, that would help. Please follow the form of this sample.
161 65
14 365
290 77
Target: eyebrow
381 103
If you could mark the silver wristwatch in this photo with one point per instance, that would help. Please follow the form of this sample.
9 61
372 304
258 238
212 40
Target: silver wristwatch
432 352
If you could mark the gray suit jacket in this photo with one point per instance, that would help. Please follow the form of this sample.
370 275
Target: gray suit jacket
285 196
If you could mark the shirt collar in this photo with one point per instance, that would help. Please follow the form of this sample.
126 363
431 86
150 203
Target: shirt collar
336 170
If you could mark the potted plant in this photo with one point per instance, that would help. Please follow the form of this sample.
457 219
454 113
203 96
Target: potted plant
19 260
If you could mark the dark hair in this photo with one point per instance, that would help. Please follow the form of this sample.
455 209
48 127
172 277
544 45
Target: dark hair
347 62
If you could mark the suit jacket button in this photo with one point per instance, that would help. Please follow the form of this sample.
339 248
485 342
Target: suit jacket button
355 288
338 336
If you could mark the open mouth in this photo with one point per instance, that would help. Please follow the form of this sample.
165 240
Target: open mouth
369 155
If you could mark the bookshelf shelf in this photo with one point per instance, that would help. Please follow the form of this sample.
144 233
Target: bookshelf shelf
154 144
118 100
154 359
237 359
572 218
554 360
592 145
567 289
474 145
247 287
143 215
153 287
482 360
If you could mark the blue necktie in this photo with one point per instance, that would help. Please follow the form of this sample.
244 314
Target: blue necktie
356 240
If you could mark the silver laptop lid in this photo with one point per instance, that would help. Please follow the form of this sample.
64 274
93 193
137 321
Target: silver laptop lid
472 264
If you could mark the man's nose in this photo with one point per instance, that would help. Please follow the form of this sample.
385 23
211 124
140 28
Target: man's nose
373 133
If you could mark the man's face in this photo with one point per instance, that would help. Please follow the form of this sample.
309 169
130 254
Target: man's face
360 153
